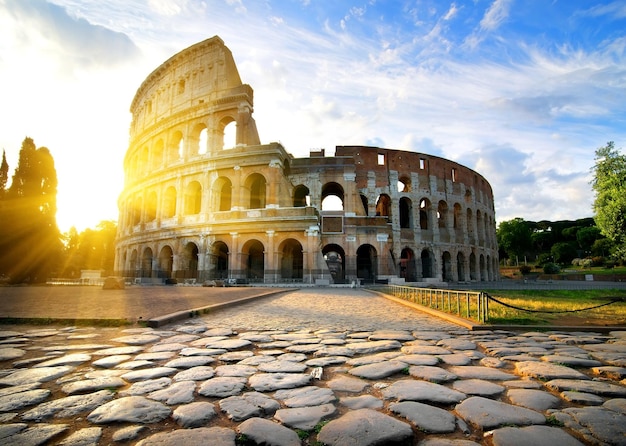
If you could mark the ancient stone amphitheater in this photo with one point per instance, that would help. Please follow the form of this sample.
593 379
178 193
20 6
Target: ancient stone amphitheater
196 207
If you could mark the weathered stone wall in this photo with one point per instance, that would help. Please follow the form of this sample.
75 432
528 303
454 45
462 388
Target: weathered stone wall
194 209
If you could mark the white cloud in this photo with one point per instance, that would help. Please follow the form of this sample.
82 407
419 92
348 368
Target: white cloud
497 13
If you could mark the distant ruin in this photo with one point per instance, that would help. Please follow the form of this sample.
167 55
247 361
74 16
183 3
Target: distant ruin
194 209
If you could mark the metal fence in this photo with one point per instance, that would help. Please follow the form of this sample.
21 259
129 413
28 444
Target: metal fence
471 305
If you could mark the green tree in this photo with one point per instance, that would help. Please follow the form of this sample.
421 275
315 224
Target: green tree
514 237
587 236
4 174
609 185
30 246
91 249
564 252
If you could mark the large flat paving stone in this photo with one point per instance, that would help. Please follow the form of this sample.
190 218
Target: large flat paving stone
546 371
215 436
268 382
305 396
20 434
365 427
594 387
36 375
130 409
533 435
68 407
605 425
266 432
305 418
222 386
378 370
19 400
488 414
534 399
194 414
413 390
425 417
248 405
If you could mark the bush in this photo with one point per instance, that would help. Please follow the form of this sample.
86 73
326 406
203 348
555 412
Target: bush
525 269
551 268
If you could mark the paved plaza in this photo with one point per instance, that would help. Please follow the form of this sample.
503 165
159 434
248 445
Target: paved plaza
333 366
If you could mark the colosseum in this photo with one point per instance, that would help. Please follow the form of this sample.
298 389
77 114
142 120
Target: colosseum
199 206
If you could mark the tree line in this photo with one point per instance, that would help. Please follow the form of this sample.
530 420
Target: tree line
594 241
32 249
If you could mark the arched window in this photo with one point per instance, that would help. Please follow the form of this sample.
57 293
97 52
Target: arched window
301 196
226 192
424 212
442 214
256 185
332 197
383 206
230 135
406 213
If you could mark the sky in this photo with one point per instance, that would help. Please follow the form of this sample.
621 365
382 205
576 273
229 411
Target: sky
522 91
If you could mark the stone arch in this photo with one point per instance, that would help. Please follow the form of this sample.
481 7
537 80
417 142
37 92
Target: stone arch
472 267
442 214
482 268
175 147
383 206
199 139
190 259
366 263
291 259
335 258
404 184
329 190
169 202
218 260
460 266
446 267
253 253
222 194
406 213
256 188
133 263
146 263
227 130
408 265
166 262
424 214
300 195
427 264
193 198
365 203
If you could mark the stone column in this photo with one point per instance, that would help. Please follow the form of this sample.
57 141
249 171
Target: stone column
271 272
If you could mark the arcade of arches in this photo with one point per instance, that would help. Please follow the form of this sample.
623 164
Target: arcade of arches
205 200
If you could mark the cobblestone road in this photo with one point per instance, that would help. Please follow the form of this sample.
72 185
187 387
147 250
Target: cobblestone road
314 366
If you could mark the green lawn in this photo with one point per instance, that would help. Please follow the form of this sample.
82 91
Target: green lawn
560 307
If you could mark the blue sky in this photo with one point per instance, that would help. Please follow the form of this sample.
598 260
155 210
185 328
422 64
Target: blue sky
521 91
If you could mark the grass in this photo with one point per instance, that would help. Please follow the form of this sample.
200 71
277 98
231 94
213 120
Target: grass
552 306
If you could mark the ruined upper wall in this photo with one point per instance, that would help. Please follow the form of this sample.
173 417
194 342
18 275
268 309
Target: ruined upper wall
203 75
430 170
